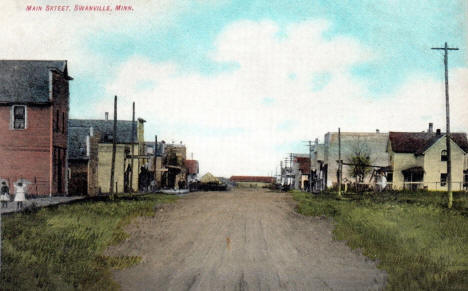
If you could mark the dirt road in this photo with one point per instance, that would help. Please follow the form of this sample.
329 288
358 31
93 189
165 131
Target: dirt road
240 240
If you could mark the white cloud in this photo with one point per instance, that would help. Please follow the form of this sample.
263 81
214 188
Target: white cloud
267 58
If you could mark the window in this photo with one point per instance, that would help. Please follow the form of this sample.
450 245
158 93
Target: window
443 179
390 177
57 117
465 179
19 117
63 122
443 155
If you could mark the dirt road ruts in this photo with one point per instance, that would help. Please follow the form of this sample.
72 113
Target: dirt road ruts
240 240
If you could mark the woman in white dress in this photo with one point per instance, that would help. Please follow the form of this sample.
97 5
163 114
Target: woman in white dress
20 196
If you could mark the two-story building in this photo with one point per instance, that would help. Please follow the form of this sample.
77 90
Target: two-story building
419 160
34 105
127 169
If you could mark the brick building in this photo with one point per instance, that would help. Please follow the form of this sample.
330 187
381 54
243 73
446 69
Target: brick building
34 105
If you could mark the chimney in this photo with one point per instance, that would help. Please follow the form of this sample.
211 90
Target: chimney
377 131
88 145
91 131
107 115
438 131
431 127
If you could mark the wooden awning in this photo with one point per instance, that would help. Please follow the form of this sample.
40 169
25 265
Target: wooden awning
413 171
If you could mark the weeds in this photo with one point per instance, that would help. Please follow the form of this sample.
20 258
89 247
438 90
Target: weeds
59 248
421 244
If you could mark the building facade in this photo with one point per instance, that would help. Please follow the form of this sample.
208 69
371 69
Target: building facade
128 166
34 106
419 160
370 144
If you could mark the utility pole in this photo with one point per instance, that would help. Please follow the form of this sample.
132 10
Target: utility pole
114 148
292 174
133 148
339 163
309 144
447 115
281 172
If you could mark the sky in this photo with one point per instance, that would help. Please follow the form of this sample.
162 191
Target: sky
244 83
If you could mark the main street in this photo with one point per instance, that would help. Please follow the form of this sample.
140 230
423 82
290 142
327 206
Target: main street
240 240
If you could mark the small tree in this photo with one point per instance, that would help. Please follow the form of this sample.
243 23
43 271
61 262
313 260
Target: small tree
360 160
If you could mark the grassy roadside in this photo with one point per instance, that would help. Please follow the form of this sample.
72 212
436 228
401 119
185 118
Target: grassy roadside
59 248
421 244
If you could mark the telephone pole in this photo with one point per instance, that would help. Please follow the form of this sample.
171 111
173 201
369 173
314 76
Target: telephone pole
447 116
114 147
133 149
309 144
339 163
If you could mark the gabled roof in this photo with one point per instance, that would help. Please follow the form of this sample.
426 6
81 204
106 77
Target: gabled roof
418 142
258 179
26 81
209 178
105 128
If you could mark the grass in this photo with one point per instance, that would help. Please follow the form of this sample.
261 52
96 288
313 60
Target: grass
60 248
420 243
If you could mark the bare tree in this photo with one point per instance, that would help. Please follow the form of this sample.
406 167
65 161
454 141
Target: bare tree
359 160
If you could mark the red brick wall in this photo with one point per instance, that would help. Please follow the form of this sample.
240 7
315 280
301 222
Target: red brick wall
60 132
26 153
36 152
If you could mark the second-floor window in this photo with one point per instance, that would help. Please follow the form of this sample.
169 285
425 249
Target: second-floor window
63 122
443 156
57 120
19 117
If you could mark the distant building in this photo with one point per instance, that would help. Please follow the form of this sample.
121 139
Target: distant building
173 162
192 170
252 181
301 171
419 160
34 105
319 170
123 163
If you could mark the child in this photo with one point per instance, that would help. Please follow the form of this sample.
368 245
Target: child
20 195
4 194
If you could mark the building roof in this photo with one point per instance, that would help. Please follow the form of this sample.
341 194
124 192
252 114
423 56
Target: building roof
209 178
257 179
77 143
79 129
27 81
418 142
192 166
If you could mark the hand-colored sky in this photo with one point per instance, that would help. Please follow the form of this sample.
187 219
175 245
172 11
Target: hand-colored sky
242 83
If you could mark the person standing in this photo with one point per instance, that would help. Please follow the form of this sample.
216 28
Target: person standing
4 194
20 196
